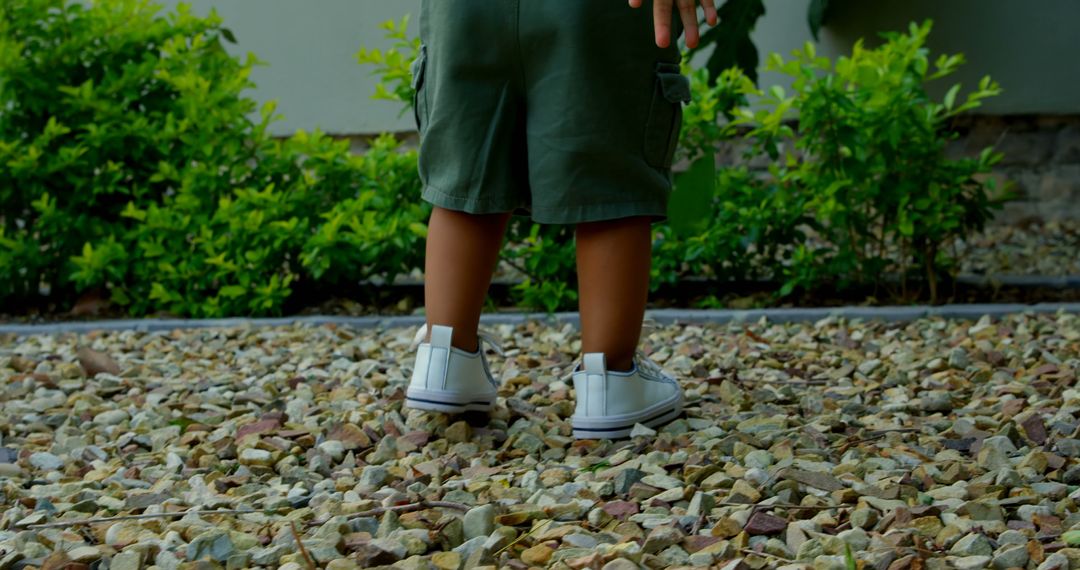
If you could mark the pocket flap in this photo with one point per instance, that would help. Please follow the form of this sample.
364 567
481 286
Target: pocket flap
676 87
418 66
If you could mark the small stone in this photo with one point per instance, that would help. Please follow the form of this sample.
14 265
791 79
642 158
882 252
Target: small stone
642 431
936 401
743 491
864 518
1011 556
528 443
215 544
764 523
351 436
674 556
973 544
459 432
379 552
927 527
84 554
701 504
1029 512
537 555
1056 561
259 457
994 453
759 459
270 555
620 509
446 560
46 461
334 448
1035 429
94 362
830 562
626 479
111 417
374 476
661 538
126 561
868 367
856 538
971 562
958 358
621 564
479 521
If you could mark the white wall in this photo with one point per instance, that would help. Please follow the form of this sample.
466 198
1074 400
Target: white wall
1032 49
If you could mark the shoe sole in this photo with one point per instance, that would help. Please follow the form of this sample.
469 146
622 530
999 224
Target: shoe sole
447 402
618 427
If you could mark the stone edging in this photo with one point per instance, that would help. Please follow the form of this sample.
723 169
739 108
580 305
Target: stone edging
661 316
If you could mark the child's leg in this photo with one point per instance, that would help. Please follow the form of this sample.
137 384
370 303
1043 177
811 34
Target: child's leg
613 263
462 250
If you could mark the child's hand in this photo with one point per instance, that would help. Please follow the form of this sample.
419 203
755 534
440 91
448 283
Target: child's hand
688 12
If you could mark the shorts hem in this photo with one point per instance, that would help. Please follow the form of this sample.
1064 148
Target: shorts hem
600 212
657 211
449 201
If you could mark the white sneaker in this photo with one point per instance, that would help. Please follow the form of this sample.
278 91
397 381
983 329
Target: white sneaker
448 379
609 403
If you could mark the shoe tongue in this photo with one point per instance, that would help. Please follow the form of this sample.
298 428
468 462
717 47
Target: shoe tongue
594 363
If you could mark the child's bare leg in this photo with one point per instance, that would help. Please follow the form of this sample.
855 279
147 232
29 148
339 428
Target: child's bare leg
613 263
462 250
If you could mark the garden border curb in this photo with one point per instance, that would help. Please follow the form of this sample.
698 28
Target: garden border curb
661 316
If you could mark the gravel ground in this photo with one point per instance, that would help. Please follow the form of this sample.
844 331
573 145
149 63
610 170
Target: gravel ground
1045 248
930 444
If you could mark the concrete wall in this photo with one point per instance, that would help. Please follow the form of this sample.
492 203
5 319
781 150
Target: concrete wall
312 72
310 49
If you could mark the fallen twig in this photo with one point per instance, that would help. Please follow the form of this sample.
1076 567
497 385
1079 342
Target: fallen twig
719 379
874 436
177 514
300 545
766 554
406 508
760 506
545 524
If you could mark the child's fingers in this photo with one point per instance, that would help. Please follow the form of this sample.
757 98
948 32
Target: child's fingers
710 11
688 12
635 3
662 22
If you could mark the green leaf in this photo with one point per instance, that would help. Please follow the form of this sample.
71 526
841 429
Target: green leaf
950 97
690 206
731 38
184 422
232 291
849 558
597 466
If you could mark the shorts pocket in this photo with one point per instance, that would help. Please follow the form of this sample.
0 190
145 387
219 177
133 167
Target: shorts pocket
671 89
419 68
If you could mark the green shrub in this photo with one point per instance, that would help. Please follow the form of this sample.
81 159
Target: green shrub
868 156
858 191
103 104
132 163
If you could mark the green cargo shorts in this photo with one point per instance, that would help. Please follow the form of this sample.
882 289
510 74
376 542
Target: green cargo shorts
563 110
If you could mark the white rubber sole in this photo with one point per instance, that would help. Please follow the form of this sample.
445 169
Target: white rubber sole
620 426
448 402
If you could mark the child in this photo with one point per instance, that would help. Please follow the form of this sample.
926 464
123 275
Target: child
567 111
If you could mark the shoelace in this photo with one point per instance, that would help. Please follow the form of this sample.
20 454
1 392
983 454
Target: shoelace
481 335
